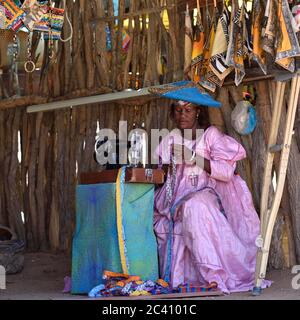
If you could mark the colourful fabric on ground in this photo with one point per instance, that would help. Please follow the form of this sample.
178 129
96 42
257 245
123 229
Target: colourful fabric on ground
128 285
188 287
95 241
121 285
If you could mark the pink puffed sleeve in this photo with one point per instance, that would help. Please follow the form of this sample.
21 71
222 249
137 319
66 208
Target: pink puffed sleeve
223 153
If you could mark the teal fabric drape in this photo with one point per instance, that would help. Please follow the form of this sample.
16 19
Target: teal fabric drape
95 241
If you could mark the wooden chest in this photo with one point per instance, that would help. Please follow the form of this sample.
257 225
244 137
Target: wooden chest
132 175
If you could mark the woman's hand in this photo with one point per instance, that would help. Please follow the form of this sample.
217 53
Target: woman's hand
180 152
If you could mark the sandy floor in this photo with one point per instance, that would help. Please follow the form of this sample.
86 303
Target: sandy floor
43 278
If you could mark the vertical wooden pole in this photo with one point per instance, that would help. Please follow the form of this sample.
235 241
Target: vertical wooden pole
278 103
269 217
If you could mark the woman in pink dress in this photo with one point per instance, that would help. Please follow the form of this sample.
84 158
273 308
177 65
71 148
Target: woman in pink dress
205 221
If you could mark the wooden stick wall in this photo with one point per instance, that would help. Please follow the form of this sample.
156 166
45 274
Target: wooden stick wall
56 147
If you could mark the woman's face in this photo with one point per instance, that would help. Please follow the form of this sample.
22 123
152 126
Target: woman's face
186 116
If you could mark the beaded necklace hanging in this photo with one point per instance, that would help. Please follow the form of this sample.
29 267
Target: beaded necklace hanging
171 178
51 42
29 65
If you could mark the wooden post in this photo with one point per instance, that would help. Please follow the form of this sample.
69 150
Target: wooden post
269 216
280 89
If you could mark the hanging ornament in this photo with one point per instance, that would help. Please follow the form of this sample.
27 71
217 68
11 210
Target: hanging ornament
258 54
14 14
29 65
42 25
50 22
243 118
49 34
55 20
288 47
55 23
218 56
34 13
208 79
236 51
198 46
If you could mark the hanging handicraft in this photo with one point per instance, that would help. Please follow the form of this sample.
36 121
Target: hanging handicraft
34 15
14 14
241 34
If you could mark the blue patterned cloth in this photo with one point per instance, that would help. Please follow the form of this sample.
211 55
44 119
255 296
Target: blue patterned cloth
95 241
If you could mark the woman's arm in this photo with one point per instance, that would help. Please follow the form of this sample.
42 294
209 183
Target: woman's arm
202 162
224 152
222 170
207 167
218 169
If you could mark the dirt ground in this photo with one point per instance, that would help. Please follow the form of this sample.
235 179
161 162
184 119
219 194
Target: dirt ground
43 279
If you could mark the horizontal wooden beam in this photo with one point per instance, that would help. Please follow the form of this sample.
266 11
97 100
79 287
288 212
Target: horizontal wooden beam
24 101
101 98
250 79
118 97
133 97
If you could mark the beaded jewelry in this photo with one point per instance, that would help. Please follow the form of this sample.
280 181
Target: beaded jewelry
171 179
29 65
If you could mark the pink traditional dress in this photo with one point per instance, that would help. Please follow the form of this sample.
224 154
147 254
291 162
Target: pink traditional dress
206 232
